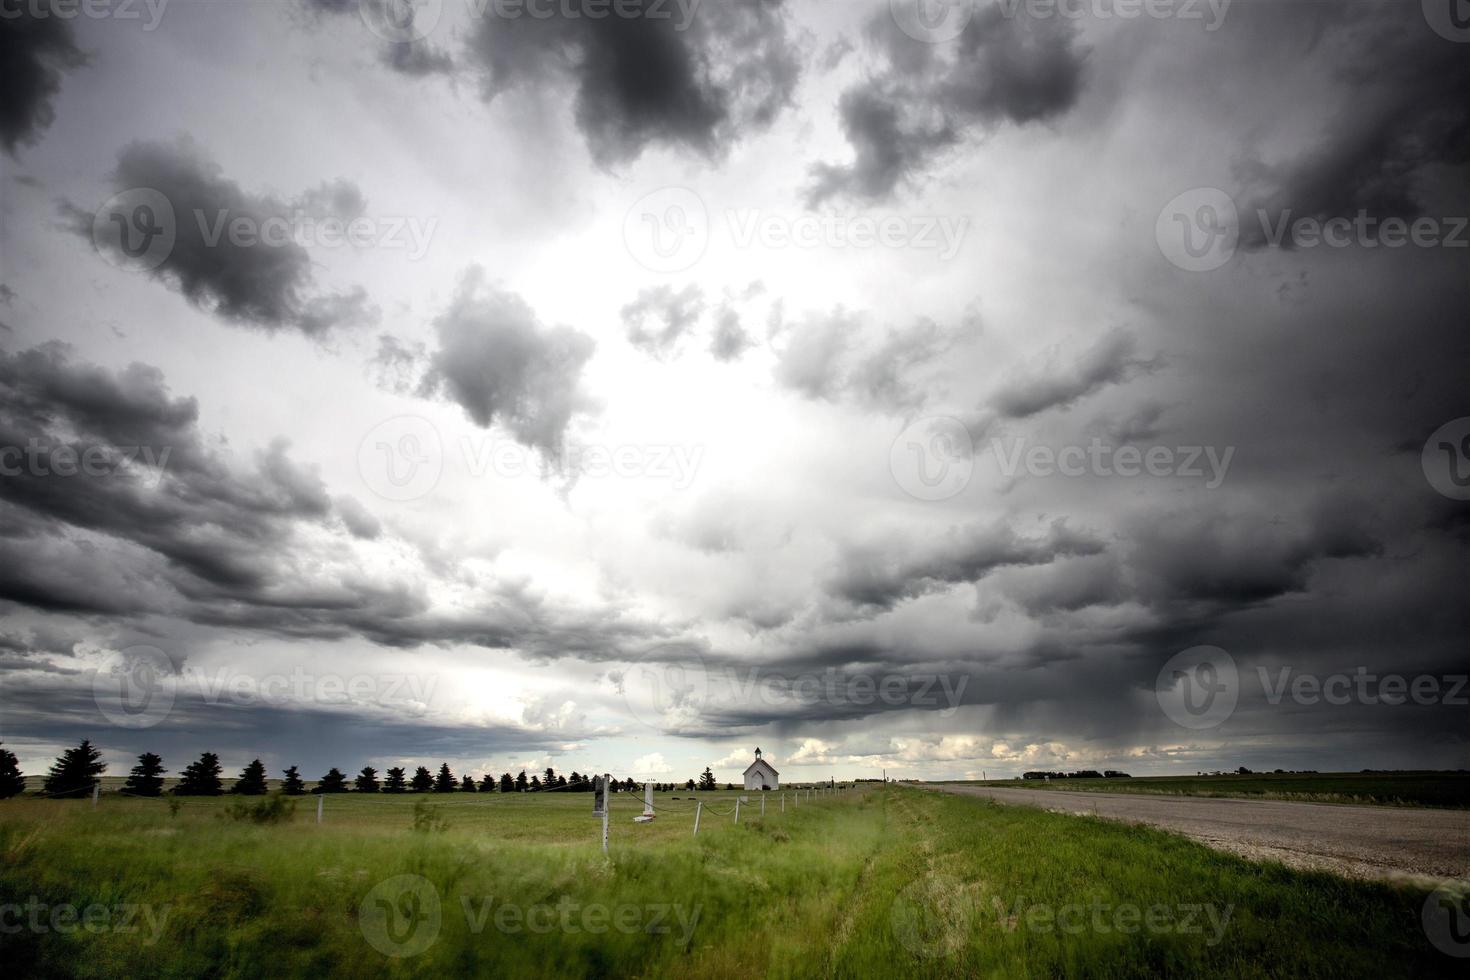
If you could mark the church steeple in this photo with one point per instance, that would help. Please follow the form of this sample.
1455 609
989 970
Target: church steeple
757 751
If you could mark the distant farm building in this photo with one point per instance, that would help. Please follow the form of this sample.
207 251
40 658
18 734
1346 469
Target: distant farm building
761 775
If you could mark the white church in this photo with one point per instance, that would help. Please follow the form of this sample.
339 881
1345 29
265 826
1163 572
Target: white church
761 775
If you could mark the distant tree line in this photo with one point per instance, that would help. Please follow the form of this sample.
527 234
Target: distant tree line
77 769
1079 774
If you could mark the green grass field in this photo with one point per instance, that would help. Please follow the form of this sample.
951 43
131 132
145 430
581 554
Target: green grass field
1437 789
879 881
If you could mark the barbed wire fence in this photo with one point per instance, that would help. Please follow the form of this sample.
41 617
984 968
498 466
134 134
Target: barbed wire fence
175 800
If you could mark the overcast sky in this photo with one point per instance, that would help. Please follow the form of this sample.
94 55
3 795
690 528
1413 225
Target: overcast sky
951 388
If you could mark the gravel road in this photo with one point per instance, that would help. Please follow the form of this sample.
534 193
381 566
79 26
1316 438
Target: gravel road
1393 843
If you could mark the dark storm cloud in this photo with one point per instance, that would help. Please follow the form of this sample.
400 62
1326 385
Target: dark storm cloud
1402 114
505 367
413 55
1112 360
659 318
35 52
834 357
51 710
651 80
920 99
881 576
215 544
151 481
264 280
1224 560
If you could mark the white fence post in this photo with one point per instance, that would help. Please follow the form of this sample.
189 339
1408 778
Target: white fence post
737 809
96 791
698 807
763 804
321 798
606 806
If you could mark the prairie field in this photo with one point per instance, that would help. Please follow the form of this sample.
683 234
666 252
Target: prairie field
873 881
1434 789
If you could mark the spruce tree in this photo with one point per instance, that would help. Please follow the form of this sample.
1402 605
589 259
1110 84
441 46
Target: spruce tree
487 785
422 781
12 780
395 783
146 779
706 779
333 782
201 778
251 781
444 782
507 785
467 784
74 772
292 785
367 780
521 781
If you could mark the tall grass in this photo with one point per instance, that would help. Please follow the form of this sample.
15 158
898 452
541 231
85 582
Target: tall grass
880 882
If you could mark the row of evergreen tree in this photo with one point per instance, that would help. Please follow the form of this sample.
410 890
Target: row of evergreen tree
76 771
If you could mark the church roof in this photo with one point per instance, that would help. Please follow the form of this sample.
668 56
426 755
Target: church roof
760 762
